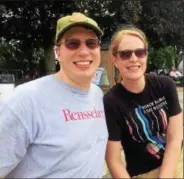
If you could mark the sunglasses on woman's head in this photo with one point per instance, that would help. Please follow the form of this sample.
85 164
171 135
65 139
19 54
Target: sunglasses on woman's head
74 44
127 54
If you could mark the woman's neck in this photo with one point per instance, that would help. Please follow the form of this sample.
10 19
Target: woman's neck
134 86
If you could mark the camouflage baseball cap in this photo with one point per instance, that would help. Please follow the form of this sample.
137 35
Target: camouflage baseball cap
66 22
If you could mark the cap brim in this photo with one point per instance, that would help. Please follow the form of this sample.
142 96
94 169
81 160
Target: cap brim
98 32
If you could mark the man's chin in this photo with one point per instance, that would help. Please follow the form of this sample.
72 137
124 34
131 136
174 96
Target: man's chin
84 79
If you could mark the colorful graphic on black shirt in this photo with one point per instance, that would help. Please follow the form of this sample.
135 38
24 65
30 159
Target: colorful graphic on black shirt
152 132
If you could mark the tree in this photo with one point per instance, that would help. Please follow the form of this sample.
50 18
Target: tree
162 58
100 11
163 22
110 14
33 22
11 53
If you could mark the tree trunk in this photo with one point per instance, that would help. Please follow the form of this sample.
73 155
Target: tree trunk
42 67
50 66
49 62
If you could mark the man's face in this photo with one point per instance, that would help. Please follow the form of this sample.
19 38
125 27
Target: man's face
79 62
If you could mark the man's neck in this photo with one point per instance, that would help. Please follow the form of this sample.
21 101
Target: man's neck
83 86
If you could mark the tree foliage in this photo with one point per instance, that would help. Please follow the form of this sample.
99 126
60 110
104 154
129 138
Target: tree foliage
32 20
33 23
12 56
164 57
163 22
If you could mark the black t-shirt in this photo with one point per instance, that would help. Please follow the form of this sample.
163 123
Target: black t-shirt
140 121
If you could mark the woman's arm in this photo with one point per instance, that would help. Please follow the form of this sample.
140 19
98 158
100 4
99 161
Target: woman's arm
114 160
173 147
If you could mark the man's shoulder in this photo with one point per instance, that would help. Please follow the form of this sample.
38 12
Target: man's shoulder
34 84
29 89
96 89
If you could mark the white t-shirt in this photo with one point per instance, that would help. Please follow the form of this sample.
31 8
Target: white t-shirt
173 74
49 129
178 73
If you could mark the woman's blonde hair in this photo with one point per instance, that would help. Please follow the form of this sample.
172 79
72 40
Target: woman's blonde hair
126 30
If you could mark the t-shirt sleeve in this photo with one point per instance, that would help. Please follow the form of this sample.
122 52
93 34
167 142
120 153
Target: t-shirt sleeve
112 122
174 107
16 129
13 140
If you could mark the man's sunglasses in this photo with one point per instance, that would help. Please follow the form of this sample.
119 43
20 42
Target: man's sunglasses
127 54
74 44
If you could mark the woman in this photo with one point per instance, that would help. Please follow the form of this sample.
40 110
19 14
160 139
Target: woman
143 114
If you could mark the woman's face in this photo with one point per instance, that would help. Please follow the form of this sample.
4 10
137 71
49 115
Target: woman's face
132 66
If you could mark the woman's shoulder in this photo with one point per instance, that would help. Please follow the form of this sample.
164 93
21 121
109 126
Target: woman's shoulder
113 94
159 80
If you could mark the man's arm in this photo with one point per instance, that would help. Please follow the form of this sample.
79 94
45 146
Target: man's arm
13 140
114 161
173 147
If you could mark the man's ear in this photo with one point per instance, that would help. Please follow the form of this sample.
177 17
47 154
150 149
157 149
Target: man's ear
57 53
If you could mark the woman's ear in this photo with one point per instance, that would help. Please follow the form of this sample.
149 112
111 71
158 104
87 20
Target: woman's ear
112 57
114 60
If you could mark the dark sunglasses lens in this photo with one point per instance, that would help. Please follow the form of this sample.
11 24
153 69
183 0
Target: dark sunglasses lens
140 53
92 43
72 44
126 54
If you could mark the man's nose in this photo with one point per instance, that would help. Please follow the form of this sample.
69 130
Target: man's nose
83 49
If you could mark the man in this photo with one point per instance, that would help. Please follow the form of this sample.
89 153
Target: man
176 75
54 127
